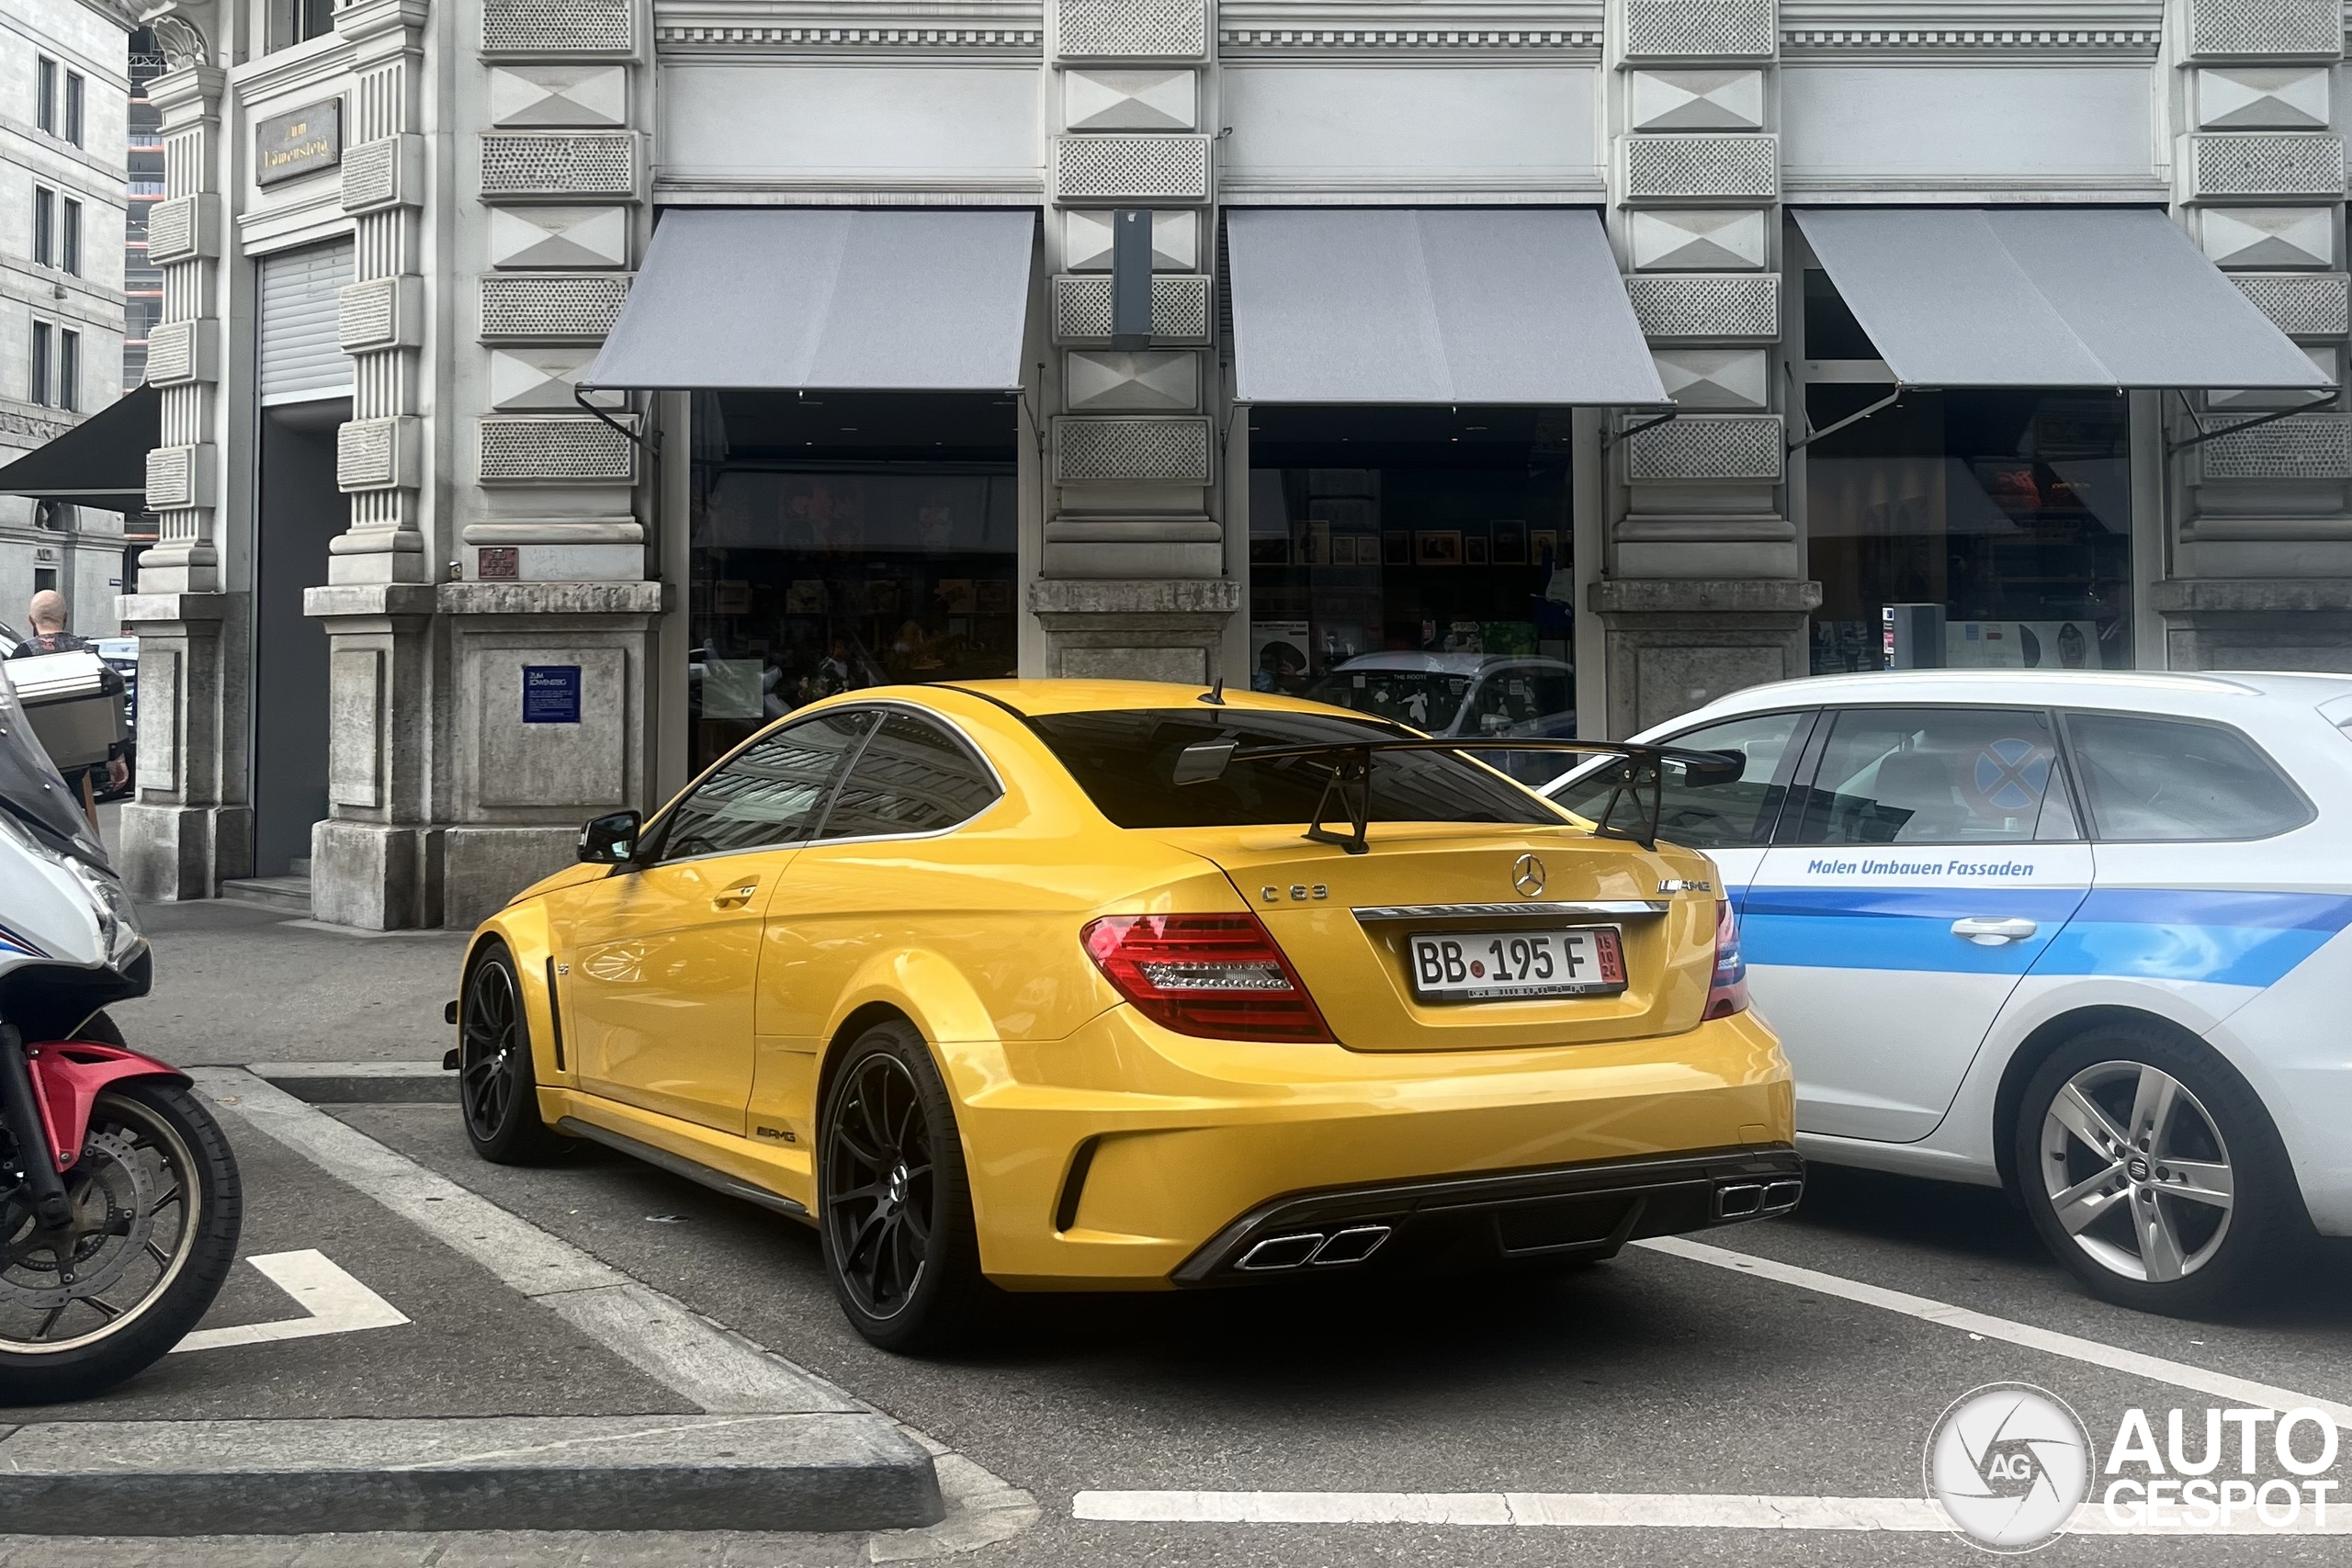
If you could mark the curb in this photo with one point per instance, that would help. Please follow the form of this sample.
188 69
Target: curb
800 1473
362 1083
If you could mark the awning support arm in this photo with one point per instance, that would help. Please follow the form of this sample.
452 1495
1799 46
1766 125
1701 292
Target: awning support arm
2173 449
1888 402
634 437
1607 440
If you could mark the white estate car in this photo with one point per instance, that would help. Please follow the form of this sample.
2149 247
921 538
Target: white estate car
2083 934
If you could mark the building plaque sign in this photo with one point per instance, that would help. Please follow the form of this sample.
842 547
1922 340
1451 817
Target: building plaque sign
550 694
288 146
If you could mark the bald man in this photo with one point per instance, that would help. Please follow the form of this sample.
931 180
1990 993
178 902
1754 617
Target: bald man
47 613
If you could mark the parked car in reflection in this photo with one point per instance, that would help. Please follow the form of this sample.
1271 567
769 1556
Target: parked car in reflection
1464 693
2086 935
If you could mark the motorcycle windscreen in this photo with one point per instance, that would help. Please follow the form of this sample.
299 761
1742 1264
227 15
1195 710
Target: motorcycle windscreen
33 792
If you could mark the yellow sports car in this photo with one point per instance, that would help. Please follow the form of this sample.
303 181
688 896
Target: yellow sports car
1070 984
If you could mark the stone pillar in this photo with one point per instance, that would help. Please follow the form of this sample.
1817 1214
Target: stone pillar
1702 591
372 860
2259 571
190 826
1132 571
548 549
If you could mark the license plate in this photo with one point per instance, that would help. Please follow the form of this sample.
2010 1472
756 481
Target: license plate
1504 965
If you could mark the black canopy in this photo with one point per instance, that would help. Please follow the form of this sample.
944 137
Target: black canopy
101 462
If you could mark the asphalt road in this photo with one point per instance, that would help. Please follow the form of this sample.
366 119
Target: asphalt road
1654 1373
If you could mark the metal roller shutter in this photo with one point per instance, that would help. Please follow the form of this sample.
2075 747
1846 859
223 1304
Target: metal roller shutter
300 361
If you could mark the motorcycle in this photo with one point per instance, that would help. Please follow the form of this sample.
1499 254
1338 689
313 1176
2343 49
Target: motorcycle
119 1199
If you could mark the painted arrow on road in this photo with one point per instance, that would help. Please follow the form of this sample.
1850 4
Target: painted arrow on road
335 1302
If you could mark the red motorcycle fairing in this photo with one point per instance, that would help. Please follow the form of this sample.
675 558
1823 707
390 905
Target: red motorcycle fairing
67 1076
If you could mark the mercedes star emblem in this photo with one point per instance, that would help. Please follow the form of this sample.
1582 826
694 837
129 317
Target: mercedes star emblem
1527 875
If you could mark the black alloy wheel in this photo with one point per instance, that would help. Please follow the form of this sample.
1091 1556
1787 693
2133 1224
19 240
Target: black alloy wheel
894 1208
498 1090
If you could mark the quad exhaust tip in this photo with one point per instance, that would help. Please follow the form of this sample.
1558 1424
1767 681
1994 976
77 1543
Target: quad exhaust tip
1316 1248
1757 1200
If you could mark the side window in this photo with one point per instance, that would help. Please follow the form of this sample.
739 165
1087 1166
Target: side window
912 777
771 794
1719 815
1934 776
2165 779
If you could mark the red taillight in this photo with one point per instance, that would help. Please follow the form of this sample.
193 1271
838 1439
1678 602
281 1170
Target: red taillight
1219 975
1727 991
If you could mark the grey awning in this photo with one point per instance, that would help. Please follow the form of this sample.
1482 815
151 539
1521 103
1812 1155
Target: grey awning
798 297
2047 296
101 462
1433 305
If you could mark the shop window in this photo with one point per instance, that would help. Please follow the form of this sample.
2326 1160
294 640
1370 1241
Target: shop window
2010 510
863 563
1412 564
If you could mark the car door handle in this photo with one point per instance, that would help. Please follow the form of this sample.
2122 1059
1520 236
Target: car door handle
734 897
1992 930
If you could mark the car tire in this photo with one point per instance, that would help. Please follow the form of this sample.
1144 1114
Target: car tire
2153 1173
498 1086
894 1204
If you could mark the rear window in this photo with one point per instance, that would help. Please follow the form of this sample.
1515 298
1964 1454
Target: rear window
2166 780
1124 762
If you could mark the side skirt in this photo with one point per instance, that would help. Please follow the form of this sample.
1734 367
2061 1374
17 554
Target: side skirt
678 1165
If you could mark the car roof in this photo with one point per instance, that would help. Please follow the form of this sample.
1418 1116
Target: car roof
1437 663
1063 695
2081 688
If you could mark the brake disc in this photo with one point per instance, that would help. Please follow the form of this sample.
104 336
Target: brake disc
112 1195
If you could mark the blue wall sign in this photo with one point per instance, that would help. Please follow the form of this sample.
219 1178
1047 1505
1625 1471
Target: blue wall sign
550 694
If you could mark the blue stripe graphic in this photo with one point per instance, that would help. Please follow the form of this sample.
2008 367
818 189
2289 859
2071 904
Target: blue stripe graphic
2217 937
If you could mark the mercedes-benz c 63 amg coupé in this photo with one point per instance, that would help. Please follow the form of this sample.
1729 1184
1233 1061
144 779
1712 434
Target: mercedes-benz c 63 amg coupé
1073 984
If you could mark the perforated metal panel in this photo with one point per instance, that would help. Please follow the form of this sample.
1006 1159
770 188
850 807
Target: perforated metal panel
523 450
562 163
1707 446
1180 308
2248 28
2283 163
171 229
557 28
1710 167
1134 447
2299 304
2310 446
550 307
1701 29
1132 167
301 357
1134 29
1701 306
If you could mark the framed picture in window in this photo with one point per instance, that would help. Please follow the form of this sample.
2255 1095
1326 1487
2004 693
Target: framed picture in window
1270 549
1543 547
1511 543
1475 550
1437 547
1396 548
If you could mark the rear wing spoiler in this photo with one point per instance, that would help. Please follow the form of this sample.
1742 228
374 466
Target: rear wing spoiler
1641 772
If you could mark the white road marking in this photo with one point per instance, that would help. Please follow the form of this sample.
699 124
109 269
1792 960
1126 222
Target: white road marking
1588 1510
336 1303
2180 1374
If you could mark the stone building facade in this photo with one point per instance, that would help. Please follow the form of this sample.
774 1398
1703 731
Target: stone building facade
63 79
434 582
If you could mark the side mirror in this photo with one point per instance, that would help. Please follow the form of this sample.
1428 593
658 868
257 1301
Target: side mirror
611 839
1704 769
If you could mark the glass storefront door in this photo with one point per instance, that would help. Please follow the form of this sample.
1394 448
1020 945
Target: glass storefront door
831 550
1414 563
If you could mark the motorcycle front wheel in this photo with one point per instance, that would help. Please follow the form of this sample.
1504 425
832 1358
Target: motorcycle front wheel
156 1208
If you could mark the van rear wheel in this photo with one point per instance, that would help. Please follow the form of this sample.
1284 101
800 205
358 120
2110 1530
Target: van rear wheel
2153 1173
